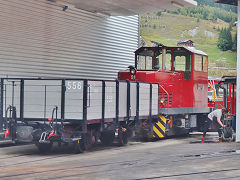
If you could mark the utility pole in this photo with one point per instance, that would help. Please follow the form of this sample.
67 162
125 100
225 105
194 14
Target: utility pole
238 78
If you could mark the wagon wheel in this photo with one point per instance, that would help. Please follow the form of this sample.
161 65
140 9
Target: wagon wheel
123 138
44 147
78 146
107 138
90 140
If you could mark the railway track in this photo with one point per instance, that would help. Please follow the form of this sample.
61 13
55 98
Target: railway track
124 164
74 171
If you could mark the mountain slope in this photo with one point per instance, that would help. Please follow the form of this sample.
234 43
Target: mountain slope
170 28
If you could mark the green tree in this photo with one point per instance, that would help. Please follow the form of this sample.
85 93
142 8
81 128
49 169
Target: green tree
225 40
208 12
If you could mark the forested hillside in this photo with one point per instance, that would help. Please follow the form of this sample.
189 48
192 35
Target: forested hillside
213 4
207 13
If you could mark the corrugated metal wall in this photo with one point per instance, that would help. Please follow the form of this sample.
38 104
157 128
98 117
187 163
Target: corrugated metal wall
39 39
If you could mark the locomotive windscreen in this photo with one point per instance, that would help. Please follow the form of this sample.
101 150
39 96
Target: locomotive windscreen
161 58
153 58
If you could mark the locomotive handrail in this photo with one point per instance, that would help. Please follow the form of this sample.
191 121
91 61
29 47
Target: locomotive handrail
166 93
54 111
9 109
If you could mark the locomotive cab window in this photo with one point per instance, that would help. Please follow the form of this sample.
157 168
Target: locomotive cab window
182 62
168 61
200 63
145 59
144 62
163 60
158 59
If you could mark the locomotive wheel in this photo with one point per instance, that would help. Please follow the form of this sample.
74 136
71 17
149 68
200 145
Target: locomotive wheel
145 132
44 148
78 147
123 138
107 138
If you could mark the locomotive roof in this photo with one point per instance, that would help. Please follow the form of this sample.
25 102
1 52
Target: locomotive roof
191 49
229 79
195 51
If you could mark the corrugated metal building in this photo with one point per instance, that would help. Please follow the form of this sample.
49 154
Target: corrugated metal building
39 39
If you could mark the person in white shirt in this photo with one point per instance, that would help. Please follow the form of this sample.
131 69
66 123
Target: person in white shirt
215 117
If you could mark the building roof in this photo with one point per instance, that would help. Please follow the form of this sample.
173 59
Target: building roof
231 2
127 7
185 43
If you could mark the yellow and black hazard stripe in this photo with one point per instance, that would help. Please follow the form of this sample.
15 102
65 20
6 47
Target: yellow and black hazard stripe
159 128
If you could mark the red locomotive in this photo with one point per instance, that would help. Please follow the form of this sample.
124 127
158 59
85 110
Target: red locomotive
229 86
182 75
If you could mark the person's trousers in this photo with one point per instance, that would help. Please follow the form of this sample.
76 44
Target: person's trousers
207 124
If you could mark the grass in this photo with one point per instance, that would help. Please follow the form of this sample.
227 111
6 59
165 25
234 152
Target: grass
170 28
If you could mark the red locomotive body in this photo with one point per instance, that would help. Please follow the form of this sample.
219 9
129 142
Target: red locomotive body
183 84
229 86
182 75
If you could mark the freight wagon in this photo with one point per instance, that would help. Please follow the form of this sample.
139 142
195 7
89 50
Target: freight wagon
74 111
